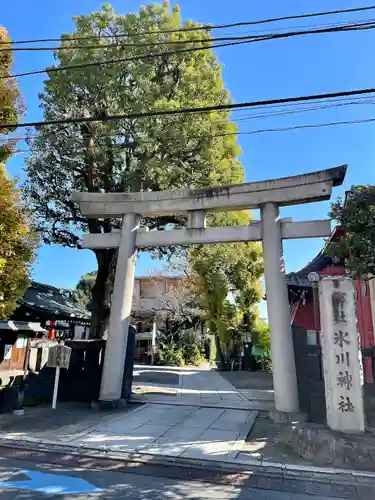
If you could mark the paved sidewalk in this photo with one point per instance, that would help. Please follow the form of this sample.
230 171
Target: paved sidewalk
67 421
183 431
165 435
156 429
200 387
206 417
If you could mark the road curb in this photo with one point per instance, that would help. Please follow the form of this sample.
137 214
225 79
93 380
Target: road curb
265 468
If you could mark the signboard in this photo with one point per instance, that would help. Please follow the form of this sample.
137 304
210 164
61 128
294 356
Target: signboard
343 376
59 356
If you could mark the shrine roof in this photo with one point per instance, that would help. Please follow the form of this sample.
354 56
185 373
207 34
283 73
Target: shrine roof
300 278
57 302
319 262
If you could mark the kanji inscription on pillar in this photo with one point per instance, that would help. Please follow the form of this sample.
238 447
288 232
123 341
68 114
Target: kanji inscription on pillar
342 365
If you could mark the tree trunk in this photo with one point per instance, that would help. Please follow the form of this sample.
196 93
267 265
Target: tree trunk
99 305
219 352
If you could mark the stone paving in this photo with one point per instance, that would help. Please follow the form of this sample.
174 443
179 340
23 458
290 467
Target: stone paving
204 387
183 431
212 430
43 423
206 418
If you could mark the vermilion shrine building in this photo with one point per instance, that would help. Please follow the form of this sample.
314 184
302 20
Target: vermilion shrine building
301 302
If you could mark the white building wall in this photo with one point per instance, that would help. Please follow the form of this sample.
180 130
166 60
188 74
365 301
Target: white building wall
150 293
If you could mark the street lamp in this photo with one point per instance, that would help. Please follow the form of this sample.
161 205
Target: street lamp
314 279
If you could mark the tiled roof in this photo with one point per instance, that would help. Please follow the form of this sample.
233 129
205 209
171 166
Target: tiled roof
318 263
57 302
299 278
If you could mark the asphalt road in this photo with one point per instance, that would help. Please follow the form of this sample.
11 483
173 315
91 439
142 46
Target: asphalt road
44 476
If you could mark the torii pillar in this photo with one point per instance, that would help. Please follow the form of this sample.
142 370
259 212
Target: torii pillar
266 195
284 373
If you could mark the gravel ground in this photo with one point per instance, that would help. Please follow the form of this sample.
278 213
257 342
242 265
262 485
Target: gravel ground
266 441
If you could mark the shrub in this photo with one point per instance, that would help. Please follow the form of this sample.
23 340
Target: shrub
192 355
169 355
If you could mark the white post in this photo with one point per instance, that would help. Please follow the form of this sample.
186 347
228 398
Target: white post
56 388
342 364
153 341
114 358
283 363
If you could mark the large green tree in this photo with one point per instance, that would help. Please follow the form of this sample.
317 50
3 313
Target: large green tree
17 244
128 155
356 214
227 277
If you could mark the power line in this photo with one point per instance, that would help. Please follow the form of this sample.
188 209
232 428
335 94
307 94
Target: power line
242 118
291 106
124 45
269 130
294 27
240 40
203 109
296 127
121 60
235 36
207 27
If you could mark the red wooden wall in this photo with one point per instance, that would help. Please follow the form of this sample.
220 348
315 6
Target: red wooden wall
305 314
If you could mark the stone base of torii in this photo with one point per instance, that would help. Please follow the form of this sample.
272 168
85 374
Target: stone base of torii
268 196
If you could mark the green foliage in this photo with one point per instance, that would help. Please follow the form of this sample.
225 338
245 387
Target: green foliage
17 243
185 346
262 333
170 355
9 95
17 246
356 214
83 290
193 355
227 277
179 356
127 155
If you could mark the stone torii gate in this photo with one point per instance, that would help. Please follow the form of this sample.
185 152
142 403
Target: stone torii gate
268 196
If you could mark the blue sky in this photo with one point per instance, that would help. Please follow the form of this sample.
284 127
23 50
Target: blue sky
272 69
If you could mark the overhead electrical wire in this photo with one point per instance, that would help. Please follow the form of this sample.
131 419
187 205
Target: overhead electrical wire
207 27
237 41
241 118
117 61
192 110
227 37
269 130
292 106
297 127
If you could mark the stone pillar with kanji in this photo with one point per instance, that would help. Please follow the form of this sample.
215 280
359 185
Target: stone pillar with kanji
342 364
